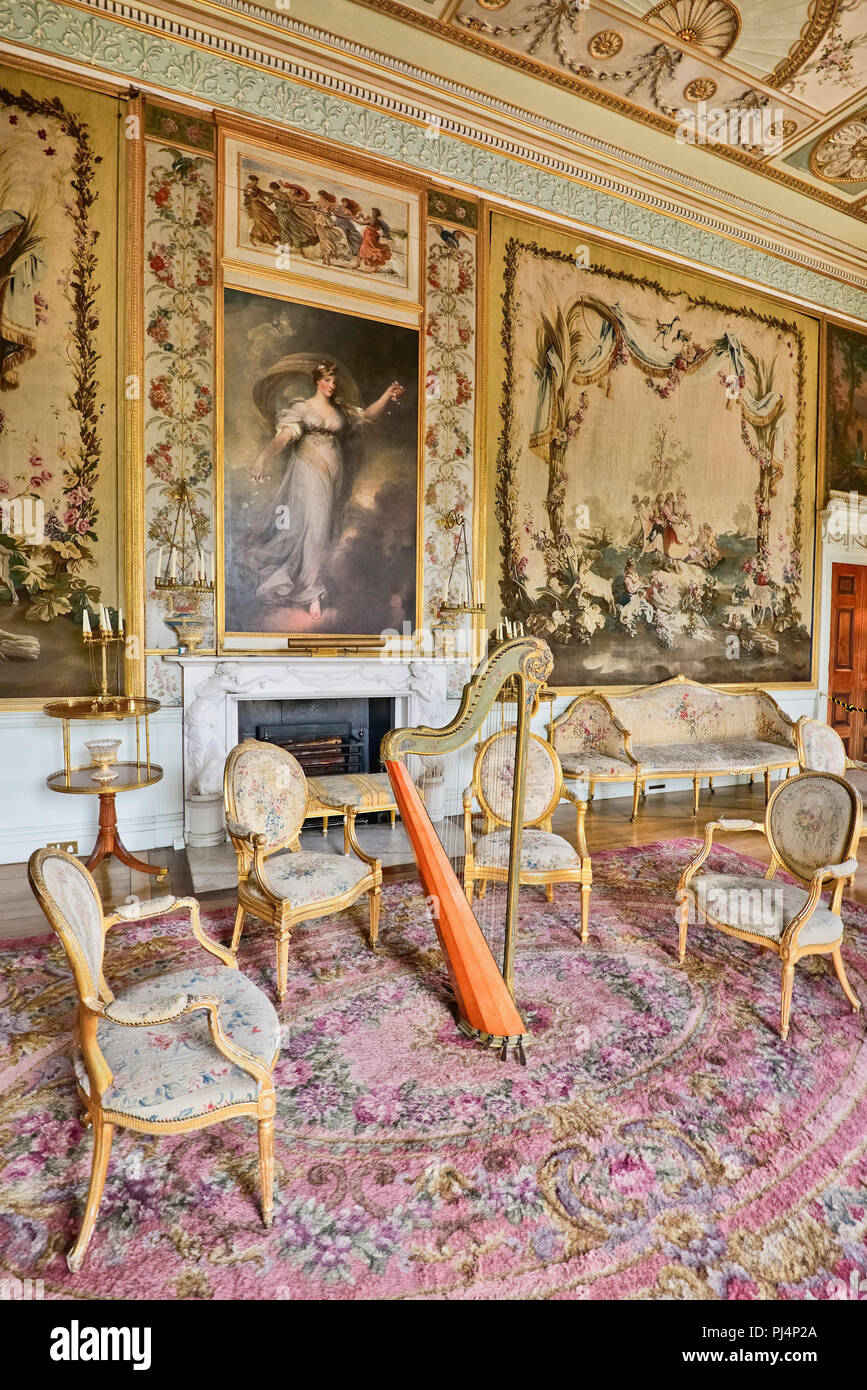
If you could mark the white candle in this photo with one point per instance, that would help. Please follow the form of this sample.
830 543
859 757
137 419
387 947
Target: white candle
120 621
85 622
102 617
499 632
211 559
174 568
200 566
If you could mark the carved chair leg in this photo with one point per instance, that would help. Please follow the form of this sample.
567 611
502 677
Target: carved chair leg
591 791
682 929
375 896
266 1167
643 790
393 818
696 788
468 881
283 935
348 826
324 825
239 927
786 998
635 790
750 783
710 785
767 785
585 911
102 1137
549 892
841 976
482 888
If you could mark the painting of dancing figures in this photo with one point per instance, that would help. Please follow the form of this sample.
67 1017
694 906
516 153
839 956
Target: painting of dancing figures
286 214
320 469
655 476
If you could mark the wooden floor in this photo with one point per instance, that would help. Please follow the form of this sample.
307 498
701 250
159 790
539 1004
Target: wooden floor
663 816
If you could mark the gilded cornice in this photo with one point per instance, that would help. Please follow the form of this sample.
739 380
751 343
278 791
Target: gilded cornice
177 56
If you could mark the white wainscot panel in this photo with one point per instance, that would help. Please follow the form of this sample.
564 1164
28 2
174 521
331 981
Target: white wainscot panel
31 815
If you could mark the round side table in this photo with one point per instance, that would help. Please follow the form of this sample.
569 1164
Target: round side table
80 781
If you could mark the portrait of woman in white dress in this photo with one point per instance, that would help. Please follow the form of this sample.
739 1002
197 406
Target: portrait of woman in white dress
313 443
321 476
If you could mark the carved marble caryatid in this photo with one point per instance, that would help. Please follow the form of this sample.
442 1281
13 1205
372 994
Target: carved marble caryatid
205 727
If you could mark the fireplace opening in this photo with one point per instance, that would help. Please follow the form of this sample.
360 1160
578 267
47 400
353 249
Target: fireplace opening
328 737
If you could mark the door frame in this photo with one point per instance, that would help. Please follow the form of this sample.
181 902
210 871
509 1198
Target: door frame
848 550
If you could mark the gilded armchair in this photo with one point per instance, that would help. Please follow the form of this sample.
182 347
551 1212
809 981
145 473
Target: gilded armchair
546 858
265 794
812 823
186 1049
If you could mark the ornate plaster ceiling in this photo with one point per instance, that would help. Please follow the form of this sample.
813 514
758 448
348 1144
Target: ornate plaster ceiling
804 62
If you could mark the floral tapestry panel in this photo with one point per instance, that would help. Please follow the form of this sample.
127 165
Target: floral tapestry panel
59 365
846 411
653 507
449 410
179 377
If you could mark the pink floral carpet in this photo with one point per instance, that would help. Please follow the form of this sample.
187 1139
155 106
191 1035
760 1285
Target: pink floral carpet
662 1142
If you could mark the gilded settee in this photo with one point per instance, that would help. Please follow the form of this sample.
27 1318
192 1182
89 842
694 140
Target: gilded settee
679 728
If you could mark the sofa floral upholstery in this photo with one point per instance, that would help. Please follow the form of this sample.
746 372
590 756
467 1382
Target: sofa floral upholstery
679 728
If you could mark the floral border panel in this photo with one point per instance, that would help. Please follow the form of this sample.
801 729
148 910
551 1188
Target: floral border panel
450 389
179 127
179 255
448 207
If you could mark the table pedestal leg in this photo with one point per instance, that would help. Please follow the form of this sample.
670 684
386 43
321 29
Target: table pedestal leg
108 841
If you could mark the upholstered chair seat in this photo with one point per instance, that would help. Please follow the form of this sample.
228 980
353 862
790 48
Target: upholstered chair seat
541 852
546 858
311 876
182 1050
194 1077
752 903
266 798
812 824
586 765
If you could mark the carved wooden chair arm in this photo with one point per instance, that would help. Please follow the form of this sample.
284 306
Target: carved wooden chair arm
844 870
157 907
350 812
695 864
242 832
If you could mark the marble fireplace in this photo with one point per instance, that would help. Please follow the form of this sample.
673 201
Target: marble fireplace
215 687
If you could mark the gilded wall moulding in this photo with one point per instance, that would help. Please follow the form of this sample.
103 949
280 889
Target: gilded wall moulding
128 41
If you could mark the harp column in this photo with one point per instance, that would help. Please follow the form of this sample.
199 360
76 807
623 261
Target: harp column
213 687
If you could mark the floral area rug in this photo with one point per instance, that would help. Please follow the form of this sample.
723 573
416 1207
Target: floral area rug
662 1141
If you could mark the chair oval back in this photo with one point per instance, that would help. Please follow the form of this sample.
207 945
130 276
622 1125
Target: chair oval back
813 819
265 789
67 895
494 773
820 748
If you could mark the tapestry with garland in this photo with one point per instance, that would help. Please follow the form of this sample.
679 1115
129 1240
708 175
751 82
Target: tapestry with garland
653 495
59 379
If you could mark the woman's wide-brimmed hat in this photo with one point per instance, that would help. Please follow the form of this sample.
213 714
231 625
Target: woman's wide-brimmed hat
290 379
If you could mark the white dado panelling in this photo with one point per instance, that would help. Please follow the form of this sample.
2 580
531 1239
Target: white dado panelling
32 816
30 748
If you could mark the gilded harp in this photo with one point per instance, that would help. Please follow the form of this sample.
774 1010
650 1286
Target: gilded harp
477 939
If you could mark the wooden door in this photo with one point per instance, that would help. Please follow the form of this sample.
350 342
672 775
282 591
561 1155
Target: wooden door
847 671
